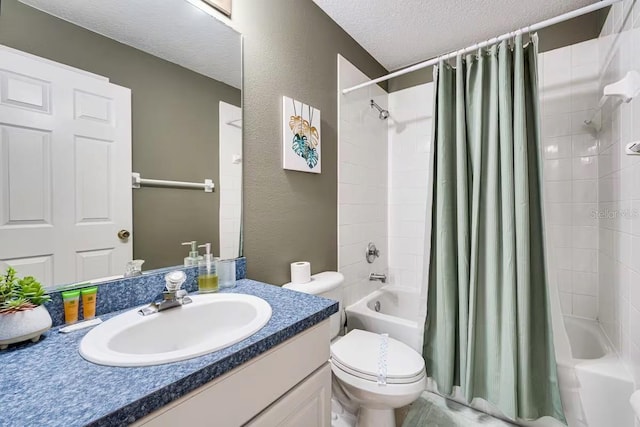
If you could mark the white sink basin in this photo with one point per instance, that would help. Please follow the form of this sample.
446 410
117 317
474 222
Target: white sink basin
211 322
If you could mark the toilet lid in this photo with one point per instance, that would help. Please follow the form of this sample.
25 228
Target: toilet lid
360 353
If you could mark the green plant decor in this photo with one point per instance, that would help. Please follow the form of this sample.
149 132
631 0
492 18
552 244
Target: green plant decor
20 294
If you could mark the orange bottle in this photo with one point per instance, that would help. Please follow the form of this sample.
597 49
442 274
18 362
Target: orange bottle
71 301
89 298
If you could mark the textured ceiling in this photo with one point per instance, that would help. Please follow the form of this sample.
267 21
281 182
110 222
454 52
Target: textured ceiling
401 33
173 30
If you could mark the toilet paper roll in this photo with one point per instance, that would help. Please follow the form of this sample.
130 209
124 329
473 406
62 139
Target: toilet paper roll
300 272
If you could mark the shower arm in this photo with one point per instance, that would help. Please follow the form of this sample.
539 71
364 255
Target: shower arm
383 114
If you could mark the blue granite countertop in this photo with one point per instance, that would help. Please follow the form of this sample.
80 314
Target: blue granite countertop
49 383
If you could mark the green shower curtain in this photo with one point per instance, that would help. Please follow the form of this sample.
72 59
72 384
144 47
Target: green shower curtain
488 327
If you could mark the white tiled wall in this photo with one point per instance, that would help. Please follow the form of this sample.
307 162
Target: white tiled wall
383 182
619 189
409 175
568 95
230 185
362 182
592 187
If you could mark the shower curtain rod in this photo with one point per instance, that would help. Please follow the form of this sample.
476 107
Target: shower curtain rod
535 27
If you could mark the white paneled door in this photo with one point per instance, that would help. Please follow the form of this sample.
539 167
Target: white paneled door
65 171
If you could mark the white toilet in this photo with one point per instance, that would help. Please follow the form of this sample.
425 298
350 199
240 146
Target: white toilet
375 373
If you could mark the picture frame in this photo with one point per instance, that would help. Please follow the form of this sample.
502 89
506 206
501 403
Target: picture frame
301 138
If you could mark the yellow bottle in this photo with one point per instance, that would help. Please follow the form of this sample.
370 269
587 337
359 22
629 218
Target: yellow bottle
207 274
89 302
71 301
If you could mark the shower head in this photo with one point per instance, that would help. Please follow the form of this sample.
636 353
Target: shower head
384 114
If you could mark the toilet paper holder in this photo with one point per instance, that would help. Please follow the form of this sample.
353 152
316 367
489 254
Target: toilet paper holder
372 252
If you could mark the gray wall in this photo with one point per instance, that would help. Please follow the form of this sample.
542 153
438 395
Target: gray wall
290 48
175 126
576 30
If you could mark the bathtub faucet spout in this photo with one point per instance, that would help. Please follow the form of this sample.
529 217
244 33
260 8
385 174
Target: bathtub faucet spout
380 277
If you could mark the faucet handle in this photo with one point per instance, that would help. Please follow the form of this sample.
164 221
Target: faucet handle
174 280
133 268
372 252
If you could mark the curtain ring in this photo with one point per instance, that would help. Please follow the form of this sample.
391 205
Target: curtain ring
479 52
488 45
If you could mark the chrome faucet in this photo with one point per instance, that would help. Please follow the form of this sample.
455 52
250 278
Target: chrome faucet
380 277
172 297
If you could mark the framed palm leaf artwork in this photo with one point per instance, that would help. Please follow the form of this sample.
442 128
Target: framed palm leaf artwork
300 136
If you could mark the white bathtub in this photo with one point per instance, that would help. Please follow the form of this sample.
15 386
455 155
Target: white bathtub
595 386
398 314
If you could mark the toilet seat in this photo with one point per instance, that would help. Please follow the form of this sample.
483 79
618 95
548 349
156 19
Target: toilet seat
359 354
337 365
385 394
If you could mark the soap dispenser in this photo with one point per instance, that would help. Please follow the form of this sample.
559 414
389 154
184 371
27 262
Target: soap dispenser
207 274
194 256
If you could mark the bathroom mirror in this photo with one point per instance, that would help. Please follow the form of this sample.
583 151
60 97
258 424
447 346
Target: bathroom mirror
167 77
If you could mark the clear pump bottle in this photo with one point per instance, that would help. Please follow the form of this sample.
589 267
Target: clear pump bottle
207 274
194 258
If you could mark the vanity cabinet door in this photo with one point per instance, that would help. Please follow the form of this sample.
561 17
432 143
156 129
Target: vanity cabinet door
308 404
249 391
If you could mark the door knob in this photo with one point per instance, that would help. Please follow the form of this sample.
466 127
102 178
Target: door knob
124 234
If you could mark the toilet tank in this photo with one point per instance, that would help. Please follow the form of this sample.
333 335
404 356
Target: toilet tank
328 284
